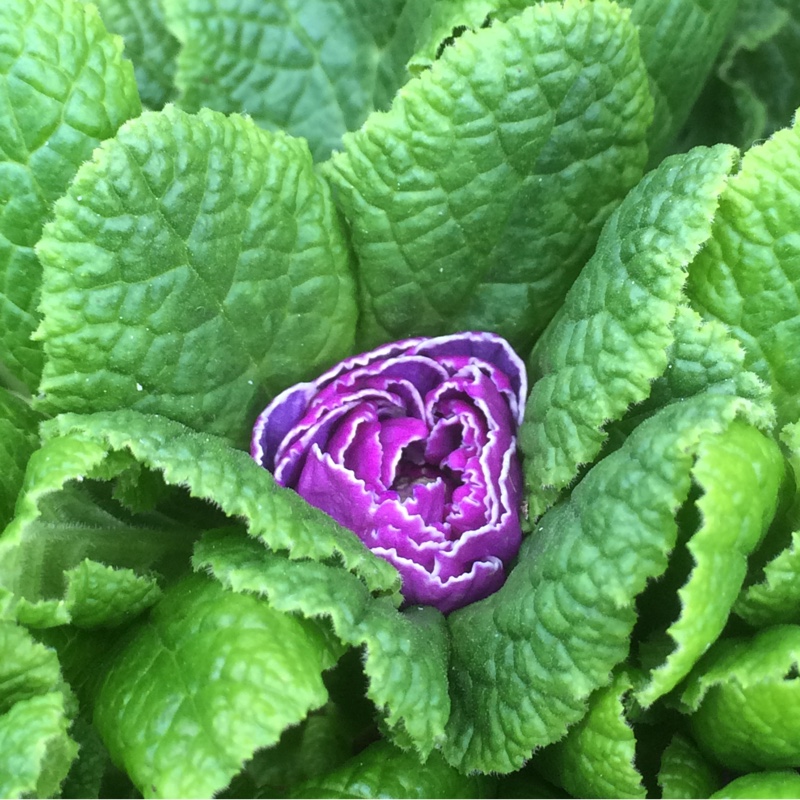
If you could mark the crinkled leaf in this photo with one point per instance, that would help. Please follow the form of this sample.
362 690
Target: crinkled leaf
680 40
406 653
85 776
610 339
195 267
775 598
35 749
315 69
382 770
445 192
102 596
211 676
64 87
739 473
762 784
211 470
748 274
148 43
744 699
18 439
685 773
59 523
596 758
525 660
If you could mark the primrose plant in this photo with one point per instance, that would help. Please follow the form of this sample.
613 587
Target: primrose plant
509 289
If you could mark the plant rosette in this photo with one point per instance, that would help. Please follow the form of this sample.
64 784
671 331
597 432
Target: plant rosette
413 447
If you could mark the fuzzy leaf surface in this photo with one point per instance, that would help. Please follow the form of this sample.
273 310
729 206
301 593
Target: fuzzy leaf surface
525 660
610 339
406 653
748 275
19 437
685 772
762 784
208 679
195 268
64 88
314 69
444 192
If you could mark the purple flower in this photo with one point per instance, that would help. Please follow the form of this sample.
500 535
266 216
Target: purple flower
413 447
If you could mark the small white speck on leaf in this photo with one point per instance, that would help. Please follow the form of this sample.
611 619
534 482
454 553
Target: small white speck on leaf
139 387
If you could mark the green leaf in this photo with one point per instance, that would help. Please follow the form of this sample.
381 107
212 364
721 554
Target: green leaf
748 273
740 473
776 598
148 43
680 40
610 339
525 660
744 699
762 784
195 268
596 758
445 192
60 522
209 677
385 771
102 596
406 653
685 772
64 87
315 69
18 439
35 749
211 470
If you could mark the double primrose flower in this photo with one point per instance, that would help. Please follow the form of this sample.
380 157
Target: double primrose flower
413 447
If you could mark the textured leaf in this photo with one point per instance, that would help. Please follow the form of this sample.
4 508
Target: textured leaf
740 473
314 69
776 598
525 660
762 784
680 40
35 750
444 192
148 43
211 470
209 678
406 653
18 439
748 275
64 87
384 771
101 596
744 700
596 758
610 339
59 523
195 267
685 772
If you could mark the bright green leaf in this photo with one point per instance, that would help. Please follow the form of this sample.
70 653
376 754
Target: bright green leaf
406 653
744 699
525 660
382 770
596 758
148 43
610 339
314 68
740 473
762 784
195 268
211 470
475 200
685 773
64 87
748 274
210 677
18 439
